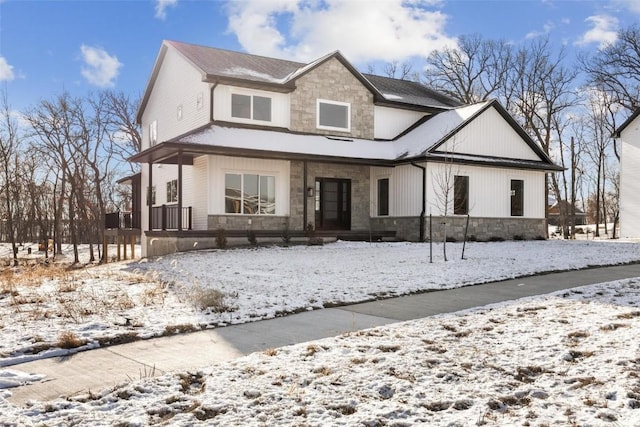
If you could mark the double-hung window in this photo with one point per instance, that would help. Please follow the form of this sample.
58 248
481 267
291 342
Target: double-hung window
251 107
250 194
333 115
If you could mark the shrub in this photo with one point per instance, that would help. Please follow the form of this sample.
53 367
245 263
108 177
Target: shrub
496 239
212 299
221 238
518 237
286 234
68 339
251 237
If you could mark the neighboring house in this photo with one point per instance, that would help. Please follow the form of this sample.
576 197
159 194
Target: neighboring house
629 135
563 208
242 142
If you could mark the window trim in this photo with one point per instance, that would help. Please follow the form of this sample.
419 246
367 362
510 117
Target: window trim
513 195
172 191
252 108
380 211
153 133
260 210
336 128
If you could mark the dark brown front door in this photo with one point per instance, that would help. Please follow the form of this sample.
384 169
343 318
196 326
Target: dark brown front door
333 204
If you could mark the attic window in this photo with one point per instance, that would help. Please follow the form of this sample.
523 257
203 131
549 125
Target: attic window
333 115
251 107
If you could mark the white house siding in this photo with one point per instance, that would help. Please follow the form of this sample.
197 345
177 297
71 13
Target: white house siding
195 186
489 190
630 180
280 109
220 165
391 122
489 135
178 84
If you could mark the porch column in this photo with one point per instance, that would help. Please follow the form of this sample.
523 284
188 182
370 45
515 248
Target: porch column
180 190
149 199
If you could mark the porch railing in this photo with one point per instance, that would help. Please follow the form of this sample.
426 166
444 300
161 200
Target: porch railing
122 220
165 217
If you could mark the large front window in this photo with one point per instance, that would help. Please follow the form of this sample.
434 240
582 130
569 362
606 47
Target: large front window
250 194
251 107
334 115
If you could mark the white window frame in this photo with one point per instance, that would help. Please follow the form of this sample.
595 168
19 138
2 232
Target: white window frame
336 128
172 191
242 193
153 133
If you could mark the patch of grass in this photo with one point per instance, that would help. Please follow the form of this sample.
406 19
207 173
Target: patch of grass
629 315
179 329
213 300
271 352
68 339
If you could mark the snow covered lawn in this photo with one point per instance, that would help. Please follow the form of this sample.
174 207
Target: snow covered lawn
568 358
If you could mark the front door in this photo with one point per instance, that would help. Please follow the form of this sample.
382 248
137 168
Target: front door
333 204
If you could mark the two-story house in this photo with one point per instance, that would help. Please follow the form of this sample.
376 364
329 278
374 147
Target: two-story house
242 142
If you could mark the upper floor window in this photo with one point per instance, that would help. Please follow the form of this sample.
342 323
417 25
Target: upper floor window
334 115
153 132
251 107
460 195
517 197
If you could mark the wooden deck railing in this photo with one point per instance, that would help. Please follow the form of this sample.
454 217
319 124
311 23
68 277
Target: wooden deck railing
122 220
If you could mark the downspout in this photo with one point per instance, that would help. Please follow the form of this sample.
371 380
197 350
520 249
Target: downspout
304 195
213 88
424 198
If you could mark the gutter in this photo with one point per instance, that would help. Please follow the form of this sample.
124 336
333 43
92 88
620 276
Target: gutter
424 198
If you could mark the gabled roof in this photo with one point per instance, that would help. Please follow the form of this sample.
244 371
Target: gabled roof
226 66
627 122
410 92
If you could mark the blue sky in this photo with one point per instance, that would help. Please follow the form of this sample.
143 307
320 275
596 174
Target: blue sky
82 46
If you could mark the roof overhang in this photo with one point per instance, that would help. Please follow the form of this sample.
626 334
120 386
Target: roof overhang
173 152
617 132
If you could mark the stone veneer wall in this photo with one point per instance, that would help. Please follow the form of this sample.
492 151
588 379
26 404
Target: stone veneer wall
360 197
333 82
408 228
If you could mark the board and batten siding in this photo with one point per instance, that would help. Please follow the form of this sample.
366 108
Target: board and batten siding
280 106
391 122
177 85
221 165
630 180
489 190
195 185
489 135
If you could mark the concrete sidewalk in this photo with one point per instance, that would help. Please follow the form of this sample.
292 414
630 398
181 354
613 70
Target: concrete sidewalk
97 369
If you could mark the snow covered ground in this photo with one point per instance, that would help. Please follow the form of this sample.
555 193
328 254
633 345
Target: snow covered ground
571 358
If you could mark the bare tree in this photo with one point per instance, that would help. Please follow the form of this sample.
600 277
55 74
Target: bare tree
9 164
616 69
119 116
473 71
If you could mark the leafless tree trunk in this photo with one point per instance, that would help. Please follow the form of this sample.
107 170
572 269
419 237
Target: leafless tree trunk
9 148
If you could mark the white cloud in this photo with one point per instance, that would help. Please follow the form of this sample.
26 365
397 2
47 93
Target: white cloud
6 70
632 5
604 31
546 29
161 8
101 68
368 30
